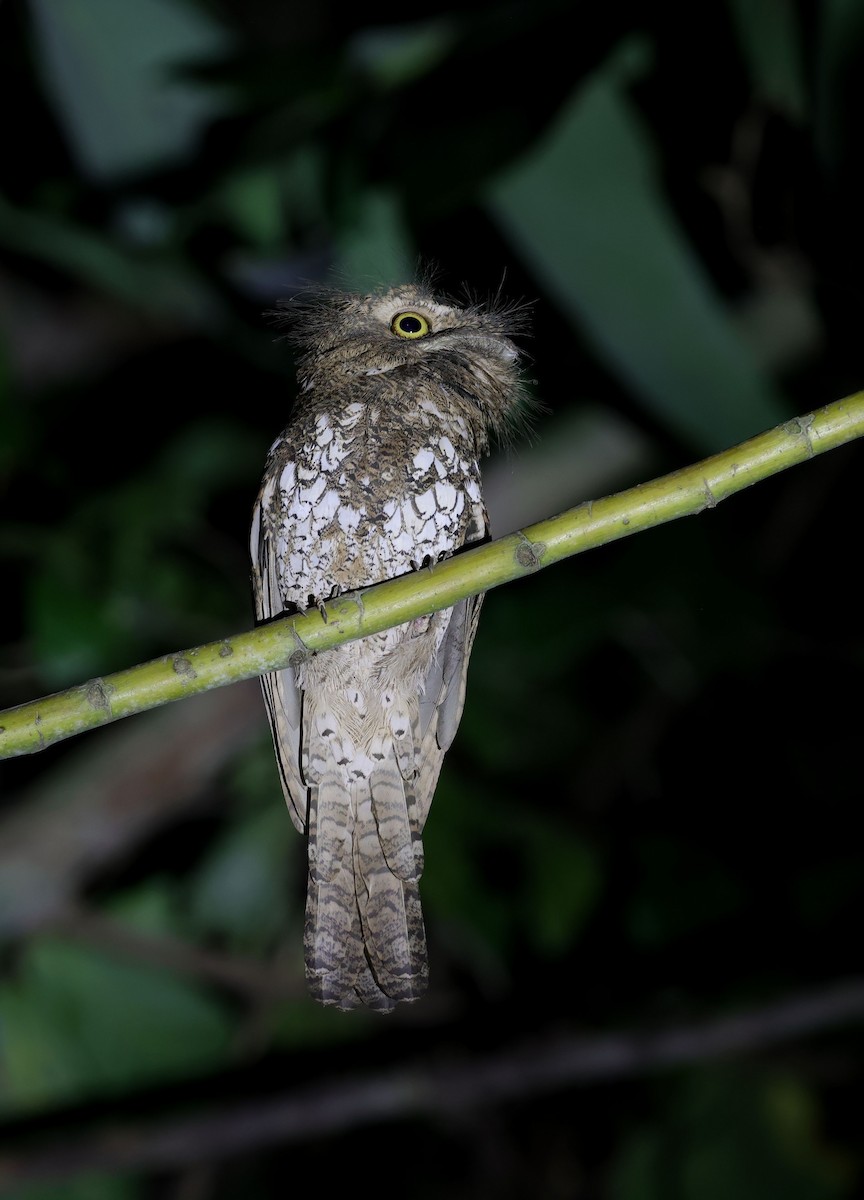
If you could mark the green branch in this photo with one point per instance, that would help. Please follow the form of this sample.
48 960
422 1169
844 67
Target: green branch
31 727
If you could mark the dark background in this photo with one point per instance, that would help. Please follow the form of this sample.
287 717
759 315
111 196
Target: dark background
649 818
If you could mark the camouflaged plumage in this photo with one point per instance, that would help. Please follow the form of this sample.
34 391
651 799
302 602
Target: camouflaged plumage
376 475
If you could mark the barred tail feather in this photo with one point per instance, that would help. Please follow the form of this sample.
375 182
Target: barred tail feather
389 904
365 940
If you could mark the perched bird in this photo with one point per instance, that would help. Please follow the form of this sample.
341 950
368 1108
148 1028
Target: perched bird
375 476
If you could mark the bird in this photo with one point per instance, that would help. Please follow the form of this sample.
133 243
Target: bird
376 475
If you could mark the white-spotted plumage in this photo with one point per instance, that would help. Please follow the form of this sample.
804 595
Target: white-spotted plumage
377 474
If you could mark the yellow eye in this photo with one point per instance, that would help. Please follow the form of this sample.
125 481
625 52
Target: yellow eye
409 325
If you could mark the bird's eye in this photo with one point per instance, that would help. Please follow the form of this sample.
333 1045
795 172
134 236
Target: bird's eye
409 325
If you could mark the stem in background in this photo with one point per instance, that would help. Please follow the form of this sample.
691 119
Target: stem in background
443 1087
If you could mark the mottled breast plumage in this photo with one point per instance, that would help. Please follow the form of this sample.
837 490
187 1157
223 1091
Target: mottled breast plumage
359 497
376 474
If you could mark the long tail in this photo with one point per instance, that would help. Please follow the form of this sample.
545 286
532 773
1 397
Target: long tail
365 942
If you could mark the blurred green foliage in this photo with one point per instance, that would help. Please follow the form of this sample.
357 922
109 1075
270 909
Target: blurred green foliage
65 1036
649 811
725 1134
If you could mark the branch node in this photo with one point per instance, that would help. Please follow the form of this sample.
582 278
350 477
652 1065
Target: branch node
183 666
801 427
530 554
98 694
711 500
302 652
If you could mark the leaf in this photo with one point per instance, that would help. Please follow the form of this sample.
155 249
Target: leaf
375 248
254 202
242 888
586 211
394 55
128 567
158 282
76 1022
770 36
504 873
721 1134
112 72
